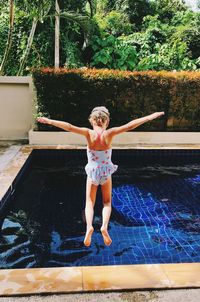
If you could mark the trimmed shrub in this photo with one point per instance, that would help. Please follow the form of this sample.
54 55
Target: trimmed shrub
70 95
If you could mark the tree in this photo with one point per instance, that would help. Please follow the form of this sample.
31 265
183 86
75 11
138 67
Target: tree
166 9
9 40
158 29
57 34
114 23
137 10
37 10
41 13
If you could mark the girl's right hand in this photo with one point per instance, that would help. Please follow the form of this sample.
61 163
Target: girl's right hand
44 120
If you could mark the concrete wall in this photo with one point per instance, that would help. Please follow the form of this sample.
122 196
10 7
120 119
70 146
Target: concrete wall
124 139
16 104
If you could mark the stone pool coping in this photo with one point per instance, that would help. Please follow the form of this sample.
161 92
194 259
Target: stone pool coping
93 278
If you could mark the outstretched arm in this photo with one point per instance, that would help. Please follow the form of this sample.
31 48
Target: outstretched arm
134 124
64 125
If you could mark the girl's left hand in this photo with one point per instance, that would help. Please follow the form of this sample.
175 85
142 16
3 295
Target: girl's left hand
155 115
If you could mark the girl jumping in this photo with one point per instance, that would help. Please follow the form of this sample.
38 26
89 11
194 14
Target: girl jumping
100 167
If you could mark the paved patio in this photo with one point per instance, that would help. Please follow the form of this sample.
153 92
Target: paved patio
178 295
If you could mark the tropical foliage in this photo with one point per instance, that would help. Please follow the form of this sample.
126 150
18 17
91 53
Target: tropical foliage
119 34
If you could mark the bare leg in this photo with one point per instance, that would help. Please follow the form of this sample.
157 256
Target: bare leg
91 191
106 190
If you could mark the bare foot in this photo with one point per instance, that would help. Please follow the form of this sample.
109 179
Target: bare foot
88 236
106 238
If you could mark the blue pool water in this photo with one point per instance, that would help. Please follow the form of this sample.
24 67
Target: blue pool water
155 217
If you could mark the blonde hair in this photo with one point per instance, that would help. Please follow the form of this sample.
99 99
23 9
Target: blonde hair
99 112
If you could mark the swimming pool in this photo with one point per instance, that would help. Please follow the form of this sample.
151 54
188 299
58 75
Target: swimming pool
155 218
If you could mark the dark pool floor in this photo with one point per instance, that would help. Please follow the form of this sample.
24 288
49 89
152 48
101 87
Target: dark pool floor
155 217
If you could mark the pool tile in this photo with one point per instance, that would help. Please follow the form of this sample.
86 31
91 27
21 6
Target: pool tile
124 277
183 274
46 280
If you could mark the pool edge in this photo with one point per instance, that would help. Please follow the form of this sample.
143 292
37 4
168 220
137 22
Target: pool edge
96 278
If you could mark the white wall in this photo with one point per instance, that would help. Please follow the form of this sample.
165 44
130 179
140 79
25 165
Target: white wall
16 104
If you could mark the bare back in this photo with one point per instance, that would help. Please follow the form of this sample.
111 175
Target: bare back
99 140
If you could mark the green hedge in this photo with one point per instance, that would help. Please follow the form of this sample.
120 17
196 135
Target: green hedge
70 95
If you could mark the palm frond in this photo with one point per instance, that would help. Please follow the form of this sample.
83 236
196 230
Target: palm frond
83 20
